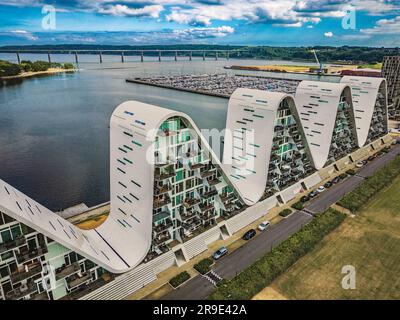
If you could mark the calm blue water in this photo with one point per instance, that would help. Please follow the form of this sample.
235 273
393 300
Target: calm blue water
54 136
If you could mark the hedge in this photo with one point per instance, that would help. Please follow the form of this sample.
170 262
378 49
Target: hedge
351 172
285 213
179 279
256 277
370 186
9 69
298 205
204 266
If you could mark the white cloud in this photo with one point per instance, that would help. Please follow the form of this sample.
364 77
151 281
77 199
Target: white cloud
123 10
201 33
384 26
328 34
24 34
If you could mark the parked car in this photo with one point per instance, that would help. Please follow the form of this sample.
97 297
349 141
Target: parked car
321 189
328 184
220 253
305 199
336 180
343 176
249 234
313 194
371 158
359 164
264 225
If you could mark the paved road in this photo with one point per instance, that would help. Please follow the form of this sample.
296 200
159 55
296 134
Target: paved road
200 288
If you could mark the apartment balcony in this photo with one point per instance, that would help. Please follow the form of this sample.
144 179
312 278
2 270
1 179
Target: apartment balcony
23 257
208 216
190 202
40 296
209 194
165 164
213 182
159 190
188 215
163 176
21 291
166 133
75 280
162 238
192 226
163 226
224 197
206 174
206 207
8 245
196 166
22 274
161 202
66 271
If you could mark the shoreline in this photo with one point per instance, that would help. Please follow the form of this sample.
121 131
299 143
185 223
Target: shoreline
30 74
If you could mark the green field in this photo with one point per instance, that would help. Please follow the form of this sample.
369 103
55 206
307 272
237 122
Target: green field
370 242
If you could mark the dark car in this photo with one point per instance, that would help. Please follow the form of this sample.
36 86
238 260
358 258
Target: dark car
249 234
313 194
328 184
336 180
305 199
371 158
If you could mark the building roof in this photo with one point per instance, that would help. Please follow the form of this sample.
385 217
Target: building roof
248 140
317 103
364 93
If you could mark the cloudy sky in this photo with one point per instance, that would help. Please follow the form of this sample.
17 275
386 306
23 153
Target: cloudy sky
245 22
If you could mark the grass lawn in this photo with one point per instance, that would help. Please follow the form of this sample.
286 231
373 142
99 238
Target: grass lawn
370 242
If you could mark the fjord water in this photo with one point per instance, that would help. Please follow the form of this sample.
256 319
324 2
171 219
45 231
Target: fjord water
54 135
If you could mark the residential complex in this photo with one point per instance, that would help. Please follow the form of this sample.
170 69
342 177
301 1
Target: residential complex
391 72
170 194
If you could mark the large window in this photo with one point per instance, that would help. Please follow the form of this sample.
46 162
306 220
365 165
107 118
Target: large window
6 235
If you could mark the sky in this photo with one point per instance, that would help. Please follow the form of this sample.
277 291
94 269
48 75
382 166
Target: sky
233 22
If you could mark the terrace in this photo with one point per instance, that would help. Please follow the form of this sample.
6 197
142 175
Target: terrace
26 255
12 244
22 273
65 271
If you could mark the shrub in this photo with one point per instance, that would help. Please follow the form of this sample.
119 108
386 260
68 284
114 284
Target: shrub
204 266
179 279
68 66
298 206
351 172
256 277
359 196
40 66
285 213
9 69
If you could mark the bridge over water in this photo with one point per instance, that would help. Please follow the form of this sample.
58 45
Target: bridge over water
215 54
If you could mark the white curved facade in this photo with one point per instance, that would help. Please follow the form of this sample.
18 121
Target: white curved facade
248 140
317 104
271 143
369 95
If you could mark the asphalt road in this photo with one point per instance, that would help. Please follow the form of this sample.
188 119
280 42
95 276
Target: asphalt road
200 288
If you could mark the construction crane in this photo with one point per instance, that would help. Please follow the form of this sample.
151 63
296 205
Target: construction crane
320 70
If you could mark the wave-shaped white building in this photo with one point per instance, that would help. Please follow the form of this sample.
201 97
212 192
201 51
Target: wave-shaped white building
170 194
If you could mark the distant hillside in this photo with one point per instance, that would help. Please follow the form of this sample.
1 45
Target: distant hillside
325 54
